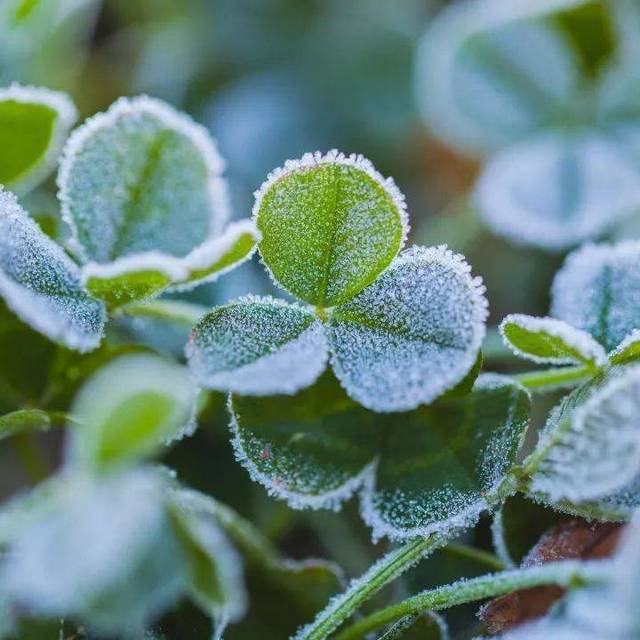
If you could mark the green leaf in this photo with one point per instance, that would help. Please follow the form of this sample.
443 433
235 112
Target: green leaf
257 346
34 123
41 284
141 177
551 341
128 409
490 74
26 420
418 626
597 291
131 566
421 471
215 569
590 446
413 334
330 225
628 350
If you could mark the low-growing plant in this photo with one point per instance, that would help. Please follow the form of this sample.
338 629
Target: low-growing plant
366 378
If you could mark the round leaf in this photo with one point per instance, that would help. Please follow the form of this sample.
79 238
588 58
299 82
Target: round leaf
128 409
546 340
257 346
330 225
490 73
441 465
34 123
141 177
413 334
41 284
598 290
558 189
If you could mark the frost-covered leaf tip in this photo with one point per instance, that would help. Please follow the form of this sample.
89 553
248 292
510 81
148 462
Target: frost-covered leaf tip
41 284
142 191
330 225
128 409
34 124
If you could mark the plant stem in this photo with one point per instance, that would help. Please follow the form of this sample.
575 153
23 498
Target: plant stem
477 555
563 574
361 589
176 311
548 379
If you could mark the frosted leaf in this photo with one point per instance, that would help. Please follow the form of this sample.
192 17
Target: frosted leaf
598 290
34 123
557 189
441 464
41 284
547 340
128 409
418 626
312 450
219 254
413 334
257 346
141 177
628 349
490 72
330 225
130 567
215 568
590 446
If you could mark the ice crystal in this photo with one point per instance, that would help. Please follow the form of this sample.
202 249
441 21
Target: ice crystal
547 340
41 284
558 189
412 334
141 177
257 346
598 290
330 225
591 442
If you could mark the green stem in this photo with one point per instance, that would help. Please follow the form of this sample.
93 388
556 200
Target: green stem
549 379
388 568
176 311
477 555
563 574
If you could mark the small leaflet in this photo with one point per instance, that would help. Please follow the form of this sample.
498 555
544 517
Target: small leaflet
550 341
41 284
34 124
330 225
598 290
413 334
257 346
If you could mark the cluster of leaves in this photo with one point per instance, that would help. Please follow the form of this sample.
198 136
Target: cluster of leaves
548 91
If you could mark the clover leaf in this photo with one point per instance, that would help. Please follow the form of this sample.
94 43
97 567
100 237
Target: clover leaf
41 284
555 116
420 472
400 331
34 124
142 191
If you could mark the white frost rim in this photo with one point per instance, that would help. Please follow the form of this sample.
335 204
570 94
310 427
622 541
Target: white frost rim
62 104
172 119
577 339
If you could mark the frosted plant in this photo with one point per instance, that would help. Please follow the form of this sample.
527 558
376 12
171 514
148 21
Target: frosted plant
399 331
142 191
507 82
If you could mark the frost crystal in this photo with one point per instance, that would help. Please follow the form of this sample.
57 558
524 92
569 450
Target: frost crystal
557 190
41 284
330 225
591 444
598 290
34 124
546 340
411 335
257 346
141 177
468 60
